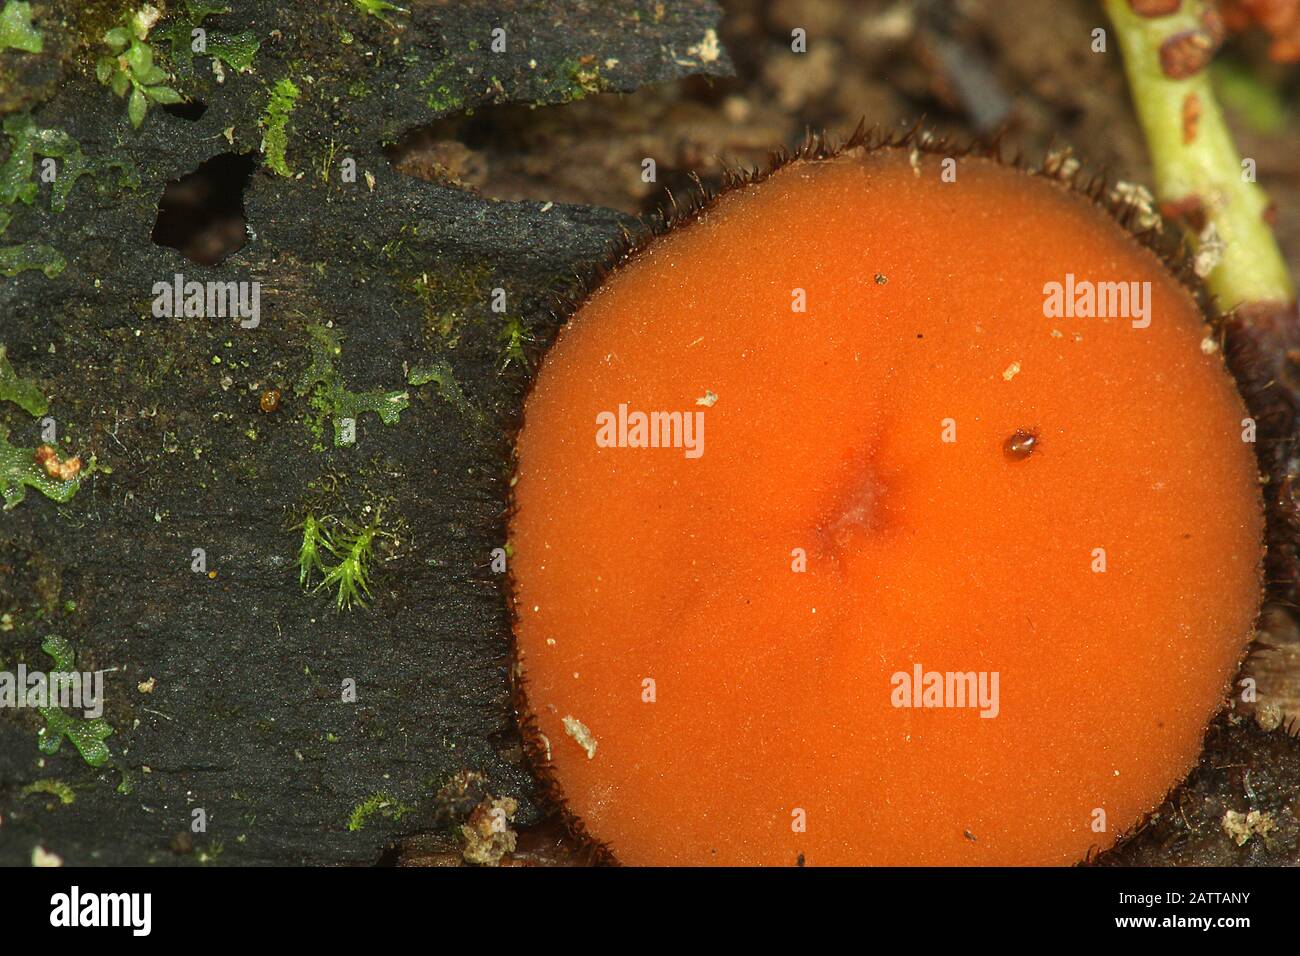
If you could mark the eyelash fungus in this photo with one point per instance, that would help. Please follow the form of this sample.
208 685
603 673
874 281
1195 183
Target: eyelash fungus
951 568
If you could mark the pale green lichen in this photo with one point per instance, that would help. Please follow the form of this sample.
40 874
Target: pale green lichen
331 399
27 395
87 735
16 30
275 125
577 80
129 68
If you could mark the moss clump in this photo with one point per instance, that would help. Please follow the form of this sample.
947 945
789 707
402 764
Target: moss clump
328 396
25 394
441 98
449 297
19 471
442 377
513 336
21 468
380 803
235 50
17 185
129 68
353 545
53 788
87 735
34 255
314 539
26 142
579 79
16 30
378 9
275 125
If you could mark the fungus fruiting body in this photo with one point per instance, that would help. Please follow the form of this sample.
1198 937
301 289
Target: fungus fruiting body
952 568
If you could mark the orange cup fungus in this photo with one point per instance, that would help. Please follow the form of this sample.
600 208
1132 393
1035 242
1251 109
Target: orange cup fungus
892 509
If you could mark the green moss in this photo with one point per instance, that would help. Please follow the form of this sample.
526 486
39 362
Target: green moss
16 30
33 255
514 336
309 554
331 399
86 735
577 81
380 803
275 125
350 578
441 98
441 375
449 298
53 788
235 50
378 8
18 185
27 141
351 544
26 395
19 471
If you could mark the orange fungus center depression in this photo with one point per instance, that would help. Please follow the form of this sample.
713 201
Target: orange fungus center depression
846 531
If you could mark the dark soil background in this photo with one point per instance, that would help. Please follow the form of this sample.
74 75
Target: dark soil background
476 170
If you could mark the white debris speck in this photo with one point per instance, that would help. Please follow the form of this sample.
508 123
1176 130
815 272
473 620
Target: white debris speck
1242 826
1143 203
1208 345
1012 371
707 50
579 732
1209 251
709 400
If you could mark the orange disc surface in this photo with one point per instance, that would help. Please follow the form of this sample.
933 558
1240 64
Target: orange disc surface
719 638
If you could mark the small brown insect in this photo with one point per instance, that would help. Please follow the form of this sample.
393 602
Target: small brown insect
1020 445
270 400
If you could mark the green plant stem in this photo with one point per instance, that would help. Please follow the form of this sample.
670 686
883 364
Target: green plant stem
1204 168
